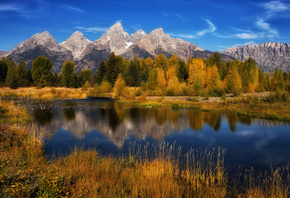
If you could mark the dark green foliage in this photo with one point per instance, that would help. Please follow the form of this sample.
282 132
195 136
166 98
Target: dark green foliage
181 73
41 71
11 78
143 77
216 92
278 80
278 96
56 80
133 72
214 59
85 75
114 67
4 62
102 70
23 75
68 76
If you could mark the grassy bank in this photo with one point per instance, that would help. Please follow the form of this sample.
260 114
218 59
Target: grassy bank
25 172
246 106
253 105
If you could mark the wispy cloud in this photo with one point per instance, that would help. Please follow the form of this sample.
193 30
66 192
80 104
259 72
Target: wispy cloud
12 8
247 35
176 15
73 9
270 32
274 7
181 17
165 14
92 29
188 36
210 29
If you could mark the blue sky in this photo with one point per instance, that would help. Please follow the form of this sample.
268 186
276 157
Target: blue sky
211 24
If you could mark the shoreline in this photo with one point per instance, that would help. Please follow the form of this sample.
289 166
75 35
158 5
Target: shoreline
249 104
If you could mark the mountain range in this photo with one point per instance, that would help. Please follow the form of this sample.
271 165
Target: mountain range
88 54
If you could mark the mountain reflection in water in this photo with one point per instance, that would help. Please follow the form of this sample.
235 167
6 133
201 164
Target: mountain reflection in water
110 127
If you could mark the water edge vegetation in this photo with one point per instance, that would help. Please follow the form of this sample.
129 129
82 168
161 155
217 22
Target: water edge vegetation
25 171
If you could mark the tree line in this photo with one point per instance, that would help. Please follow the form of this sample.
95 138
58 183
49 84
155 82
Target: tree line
161 76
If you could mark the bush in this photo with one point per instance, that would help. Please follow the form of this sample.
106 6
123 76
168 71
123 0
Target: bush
279 96
128 94
86 86
97 91
106 87
216 92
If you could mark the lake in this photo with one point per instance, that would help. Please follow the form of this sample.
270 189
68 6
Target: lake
112 128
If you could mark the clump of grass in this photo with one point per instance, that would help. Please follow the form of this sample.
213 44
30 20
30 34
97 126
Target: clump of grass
13 114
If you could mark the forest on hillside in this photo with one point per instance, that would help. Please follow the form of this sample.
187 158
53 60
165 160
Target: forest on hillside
161 76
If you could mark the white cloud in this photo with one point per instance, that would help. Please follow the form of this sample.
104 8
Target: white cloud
275 6
210 29
270 32
12 7
188 36
181 17
92 29
247 35
73 9
165 14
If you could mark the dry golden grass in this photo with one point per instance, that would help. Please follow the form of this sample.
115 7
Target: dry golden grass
45 93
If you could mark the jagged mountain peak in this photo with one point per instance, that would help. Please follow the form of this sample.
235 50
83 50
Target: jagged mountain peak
76 43
268 55
158 31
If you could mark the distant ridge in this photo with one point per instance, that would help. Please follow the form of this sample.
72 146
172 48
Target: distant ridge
268 56
88 54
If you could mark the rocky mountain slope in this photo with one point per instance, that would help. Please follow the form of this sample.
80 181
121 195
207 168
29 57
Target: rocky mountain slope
4 53
76 43
38 45
268 56
88 55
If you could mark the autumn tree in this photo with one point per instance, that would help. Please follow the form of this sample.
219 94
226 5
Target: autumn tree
152 79
161 62
250 75
233 83
277 82
196 73
161 82
68 74
119 86
41 71
212 77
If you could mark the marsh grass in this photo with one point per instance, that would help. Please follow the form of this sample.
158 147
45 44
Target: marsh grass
45 93
150 170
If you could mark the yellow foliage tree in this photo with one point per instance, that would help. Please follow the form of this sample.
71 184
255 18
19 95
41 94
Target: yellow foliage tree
119 86
174 62
161 82
233 83
161 62
212 77
196 72
170 74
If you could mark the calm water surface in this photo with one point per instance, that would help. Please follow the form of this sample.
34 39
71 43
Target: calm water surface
111 127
